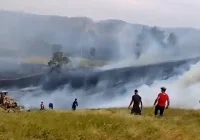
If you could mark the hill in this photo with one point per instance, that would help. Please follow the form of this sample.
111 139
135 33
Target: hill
24 34
109 124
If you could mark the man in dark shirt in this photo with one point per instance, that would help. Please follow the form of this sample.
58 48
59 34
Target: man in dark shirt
50 105
136 101
75 104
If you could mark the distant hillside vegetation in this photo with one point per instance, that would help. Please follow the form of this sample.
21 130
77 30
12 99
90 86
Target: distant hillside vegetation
23 34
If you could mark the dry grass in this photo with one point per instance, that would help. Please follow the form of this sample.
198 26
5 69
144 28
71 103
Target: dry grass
37 60
83 61
107 124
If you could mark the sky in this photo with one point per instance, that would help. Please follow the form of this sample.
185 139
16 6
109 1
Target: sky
165 13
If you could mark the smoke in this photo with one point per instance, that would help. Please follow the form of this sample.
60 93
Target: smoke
154 52
182 89
69 32
24 35
191 77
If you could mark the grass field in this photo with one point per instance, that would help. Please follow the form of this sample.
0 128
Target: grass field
105 124
83 61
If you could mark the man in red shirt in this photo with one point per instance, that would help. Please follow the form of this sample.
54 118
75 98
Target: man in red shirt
160 102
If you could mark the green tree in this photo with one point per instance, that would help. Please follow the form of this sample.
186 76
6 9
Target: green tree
58 61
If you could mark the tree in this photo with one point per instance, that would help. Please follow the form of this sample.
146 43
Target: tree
141 41
139 44
58 61
92 52
158 34
172 39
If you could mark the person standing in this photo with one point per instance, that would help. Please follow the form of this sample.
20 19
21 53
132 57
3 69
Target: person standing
160 102
75 104
41 106
136 101
50 105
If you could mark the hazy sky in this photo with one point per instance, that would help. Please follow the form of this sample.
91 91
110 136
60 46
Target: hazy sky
152 12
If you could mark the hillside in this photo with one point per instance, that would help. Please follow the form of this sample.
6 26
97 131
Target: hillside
25 35
104 124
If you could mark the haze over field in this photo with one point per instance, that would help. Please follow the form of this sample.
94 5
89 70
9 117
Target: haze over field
173 13
24 35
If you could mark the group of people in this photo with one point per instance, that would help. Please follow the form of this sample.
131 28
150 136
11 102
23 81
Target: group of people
74 105
160 103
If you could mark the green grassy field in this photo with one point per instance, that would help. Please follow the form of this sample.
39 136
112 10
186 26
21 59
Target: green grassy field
102 124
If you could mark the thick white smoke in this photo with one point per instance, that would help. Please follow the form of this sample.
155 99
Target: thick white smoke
187 47
191 77
183 92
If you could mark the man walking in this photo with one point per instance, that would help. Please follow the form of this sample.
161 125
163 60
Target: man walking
160 102
75 104
136 101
